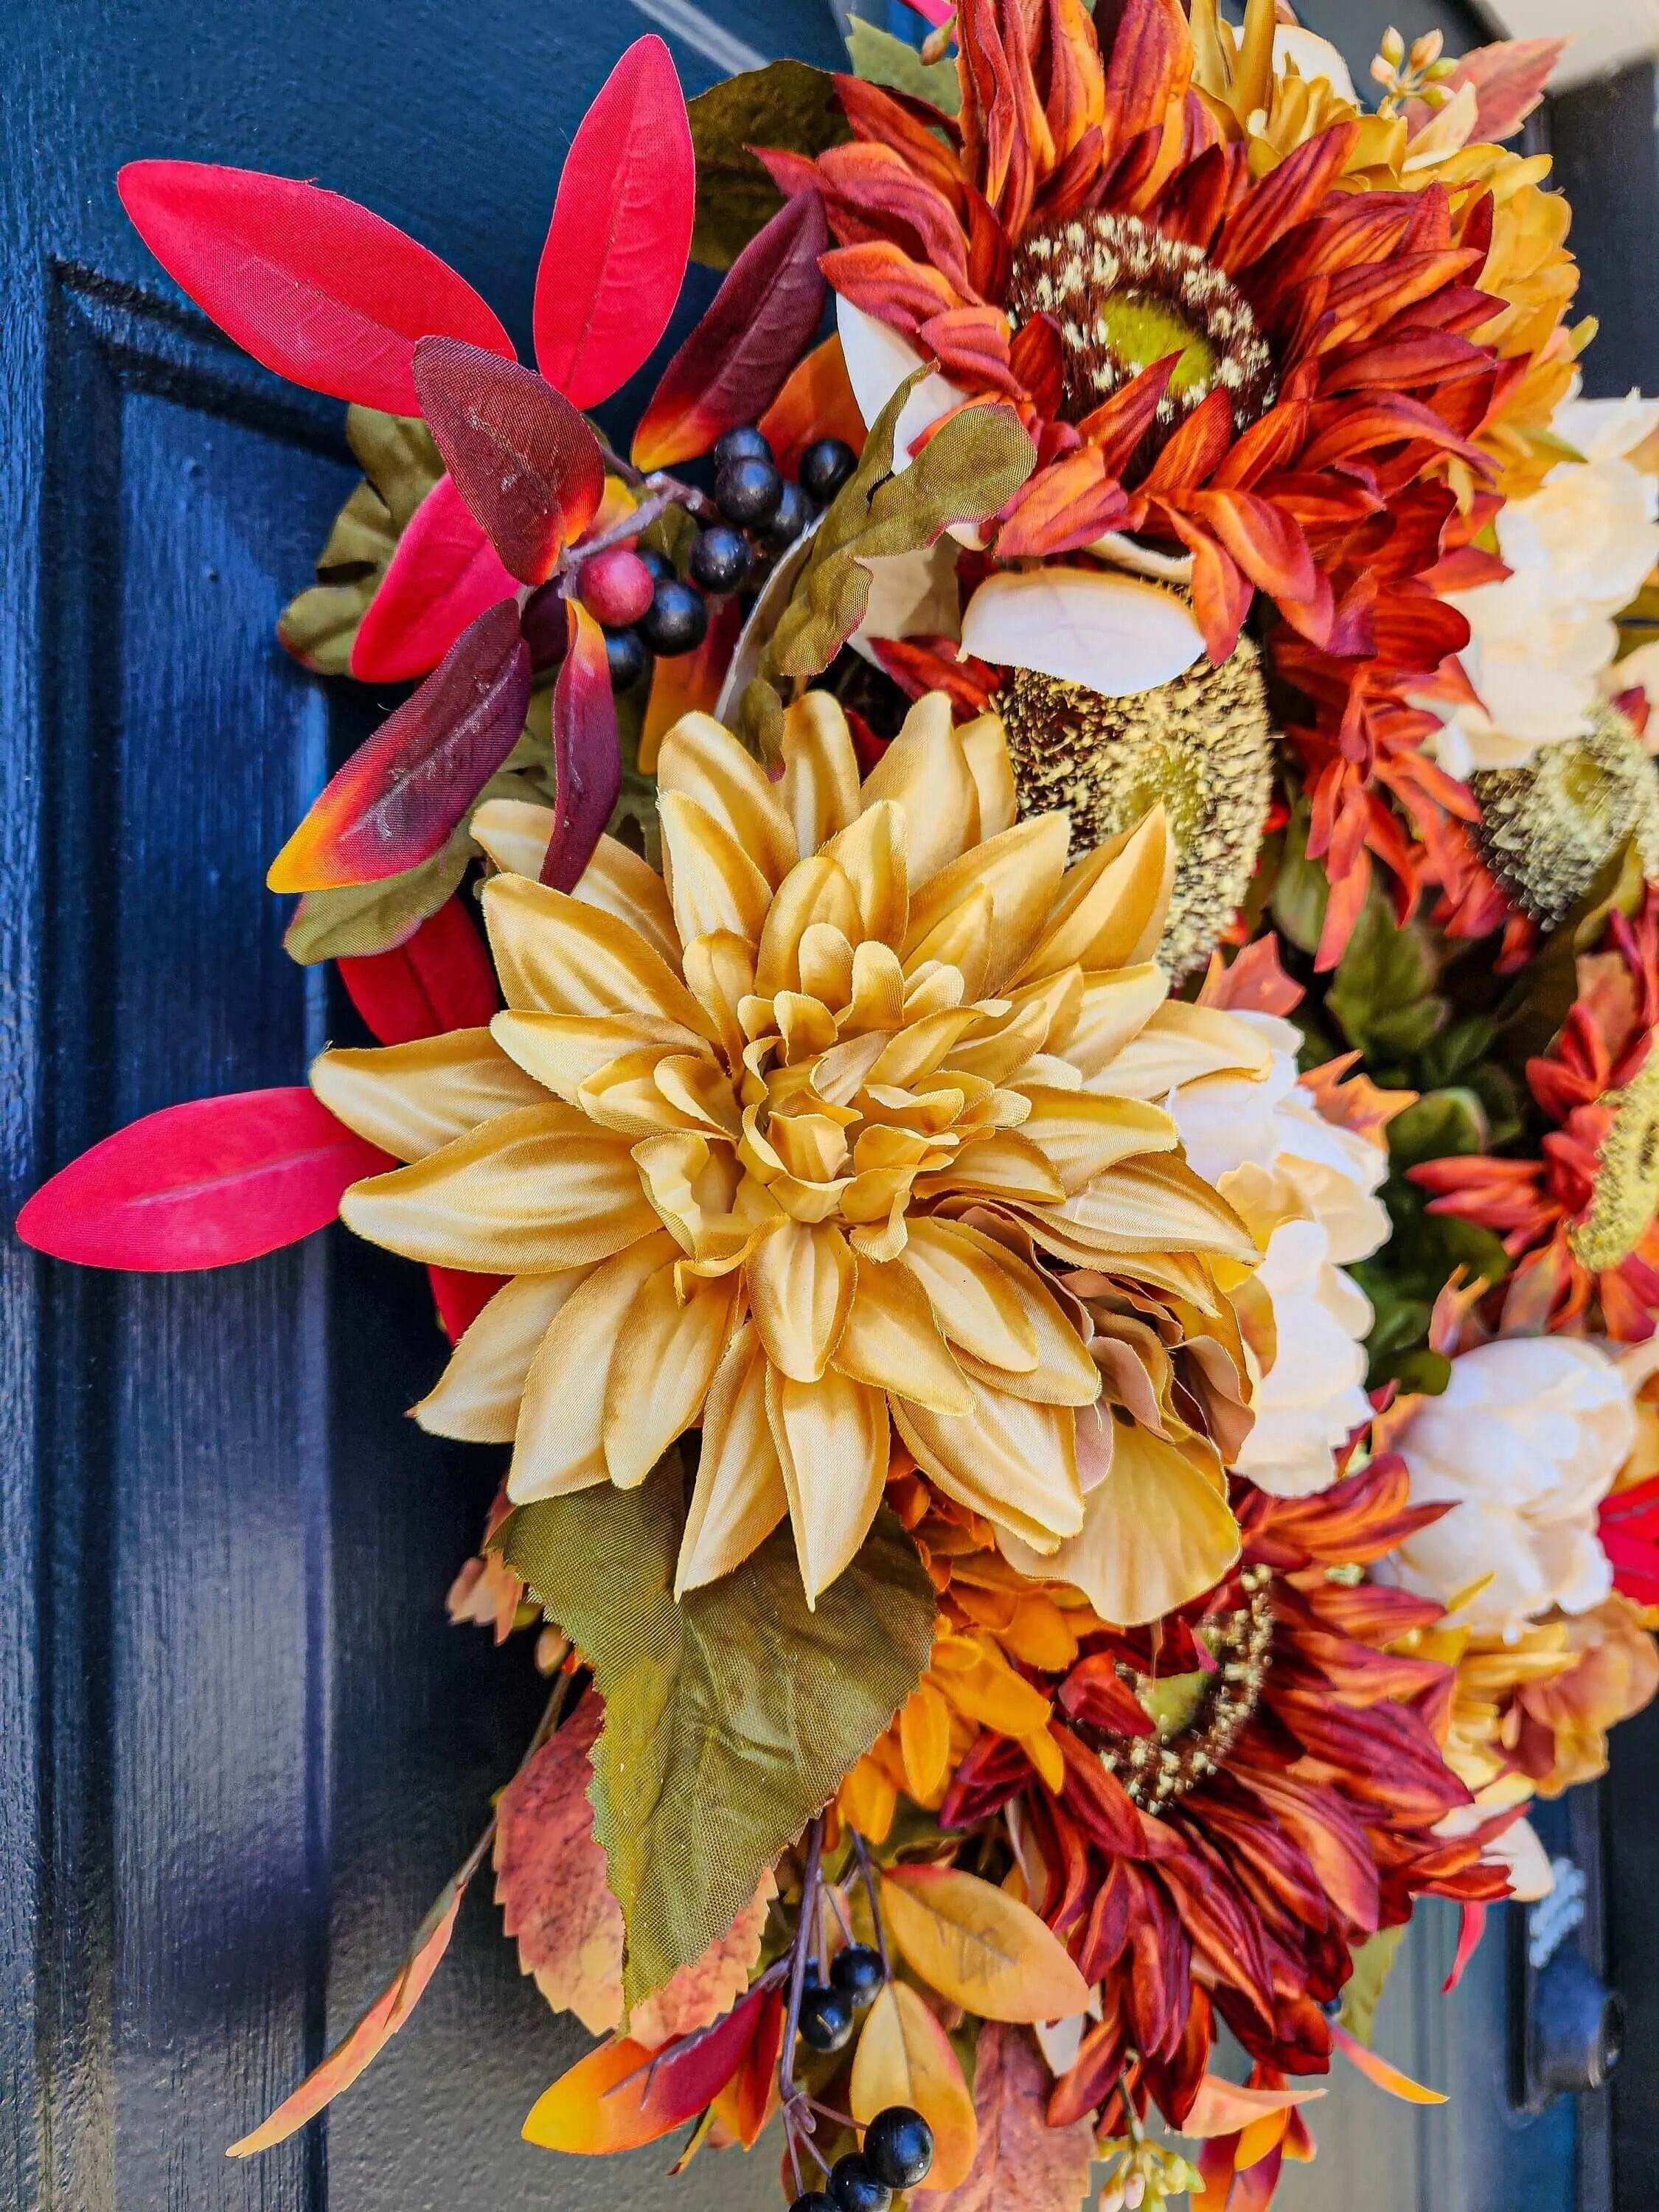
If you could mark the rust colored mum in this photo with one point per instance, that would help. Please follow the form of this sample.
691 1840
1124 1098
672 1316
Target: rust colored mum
1579 1219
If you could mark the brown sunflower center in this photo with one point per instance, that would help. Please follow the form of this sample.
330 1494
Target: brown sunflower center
1197 1716
1627 1176
1124 297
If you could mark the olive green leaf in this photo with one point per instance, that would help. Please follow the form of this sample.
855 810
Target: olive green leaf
1301 890
400 465
363 918
881 58
1373 1962
730 1717
966 470
787 104
1383 994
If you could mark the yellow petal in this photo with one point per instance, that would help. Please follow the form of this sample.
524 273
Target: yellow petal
1080 1141
1182 1044
476 1397
695 1088
987 1690
1002 1165
619 881
984 742
826 964
559 1445
690 1183
999 1046
712 881
1011 1460
1153 1204
1116 1006
878 990
1156 1534
815 890
528 1193
924 1726
557 955
831 1438
702 759
971 1292
892 1341
1021 869
873 852
820 786
960 940
925 771
1064 1373
800 1279
410 1099
719 969
515 834
739 1497
1110 910
564 1051
665 1356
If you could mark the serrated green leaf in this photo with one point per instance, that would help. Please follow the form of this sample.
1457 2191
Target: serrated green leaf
787 104
760 720
399 457
673 533
1373 1962
730 1717
881 58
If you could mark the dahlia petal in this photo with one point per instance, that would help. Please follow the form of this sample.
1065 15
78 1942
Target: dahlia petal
531 1192
667 1352
984 742
800 1279
878 989
563 1052
1004 1165
969 1280
1114 1008
559 1444
892 1341
831 1438
476 1397
1063 1374
816 890
559 954
1156 1534
739 1496
1010 1460
960 940
1115 633
877 362
411 1099
1081 1133
720 971
629 1096
1180 1044
1021 870
820 788
925 771
871 853
701 758
691 1185
712 881
1148 1204
826 967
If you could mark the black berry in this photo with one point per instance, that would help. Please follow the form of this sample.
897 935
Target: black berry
899 2146
825 466
742 445
625 650
677 619
789 518
658 563
748 491
814 2201
826 2019
854 2185
858 1971
719 560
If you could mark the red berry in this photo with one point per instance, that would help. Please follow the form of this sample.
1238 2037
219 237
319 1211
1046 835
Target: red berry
615 587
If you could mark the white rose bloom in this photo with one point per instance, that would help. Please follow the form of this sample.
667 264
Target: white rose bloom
1525 1441
1236 1130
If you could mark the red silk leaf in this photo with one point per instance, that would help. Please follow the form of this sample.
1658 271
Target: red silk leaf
202 1185
1471 1922
313 286
443 575
738 358
521 456
617 247
622 2095
439 979
587 753
460 1297
399 797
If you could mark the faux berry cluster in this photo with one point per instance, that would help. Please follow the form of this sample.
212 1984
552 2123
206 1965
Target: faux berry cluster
897 2154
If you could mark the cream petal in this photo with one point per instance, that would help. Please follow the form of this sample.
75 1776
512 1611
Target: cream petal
719 969
701 758
800 1279
815 890
826 964
873 852
476 1397
1182 1044
984 742
961 939
820 788
1150 1205
969 1281
558 955
666 1354
1114 1008
411 1099
1013 1461
926 772
877 362
513 832
713 883
1079 1141
1004 1165
1021 869
892 1341
1111 906
831 1438
739 1497
563 1052
528 1193
878 990
559 1445
1113 633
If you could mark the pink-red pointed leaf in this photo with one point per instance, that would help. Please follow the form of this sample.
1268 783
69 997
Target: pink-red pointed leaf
587 753
617 247
315 287
202 1185
522 457
443 575
398 798
1509 79
739 357
439 979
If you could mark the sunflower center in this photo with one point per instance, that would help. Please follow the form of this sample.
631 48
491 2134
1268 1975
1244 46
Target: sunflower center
1197 1716
1123 296
1627 1176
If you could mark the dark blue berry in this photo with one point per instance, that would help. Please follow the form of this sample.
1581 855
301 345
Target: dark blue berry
625 650
719 560
856 2186
788 519
814 2201
747 492
826 2019
899 2145
825 466
658 563
858 1970
677 619
741 444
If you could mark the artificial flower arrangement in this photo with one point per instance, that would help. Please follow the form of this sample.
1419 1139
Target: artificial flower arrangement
1048 1157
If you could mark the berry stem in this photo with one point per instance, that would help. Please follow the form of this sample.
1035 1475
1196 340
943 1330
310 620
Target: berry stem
684 495
868 1873
798 1956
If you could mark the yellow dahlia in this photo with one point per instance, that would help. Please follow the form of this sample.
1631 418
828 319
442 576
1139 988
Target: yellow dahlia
787 1142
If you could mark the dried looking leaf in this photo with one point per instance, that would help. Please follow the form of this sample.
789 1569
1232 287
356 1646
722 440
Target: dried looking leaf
979 1946
787 104
905 2057
700 1992
1022 2164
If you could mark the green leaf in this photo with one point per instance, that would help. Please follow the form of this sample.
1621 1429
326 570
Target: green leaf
1301 890
881 58
673 533
374 917
1383 994
1438 1124
1373 1962
787 104
730 1717
966 470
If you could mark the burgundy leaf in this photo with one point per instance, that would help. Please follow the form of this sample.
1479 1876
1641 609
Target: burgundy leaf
587 753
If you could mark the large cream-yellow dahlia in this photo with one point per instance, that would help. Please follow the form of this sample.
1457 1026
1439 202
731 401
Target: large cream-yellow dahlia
784 1144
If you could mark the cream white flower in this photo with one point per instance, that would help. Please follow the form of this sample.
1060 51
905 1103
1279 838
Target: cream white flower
1524 1442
